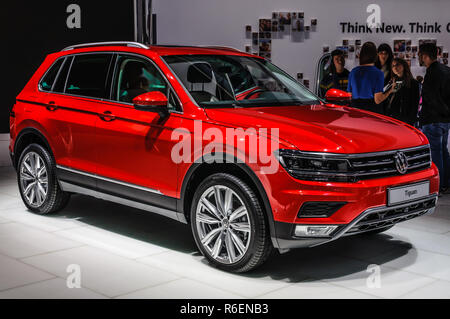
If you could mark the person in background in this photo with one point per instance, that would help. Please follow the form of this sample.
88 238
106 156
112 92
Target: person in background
366 82
337 77
419 79
435 113
403 104
384 61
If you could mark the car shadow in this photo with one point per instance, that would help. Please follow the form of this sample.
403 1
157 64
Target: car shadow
127 221
348 256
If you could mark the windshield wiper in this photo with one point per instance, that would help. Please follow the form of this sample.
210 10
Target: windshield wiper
219 106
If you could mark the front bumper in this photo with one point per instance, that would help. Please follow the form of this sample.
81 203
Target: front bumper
372 219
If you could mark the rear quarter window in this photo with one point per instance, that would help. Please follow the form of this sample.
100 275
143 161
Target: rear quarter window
60 82
49 78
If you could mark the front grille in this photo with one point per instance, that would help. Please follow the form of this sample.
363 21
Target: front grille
383 164
391 215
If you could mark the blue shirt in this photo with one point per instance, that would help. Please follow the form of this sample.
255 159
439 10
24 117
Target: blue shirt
365 81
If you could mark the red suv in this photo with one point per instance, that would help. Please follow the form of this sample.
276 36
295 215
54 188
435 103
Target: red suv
150 127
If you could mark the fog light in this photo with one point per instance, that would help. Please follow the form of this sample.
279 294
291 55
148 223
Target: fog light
314 231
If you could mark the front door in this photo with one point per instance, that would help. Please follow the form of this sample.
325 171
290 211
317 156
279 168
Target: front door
134 146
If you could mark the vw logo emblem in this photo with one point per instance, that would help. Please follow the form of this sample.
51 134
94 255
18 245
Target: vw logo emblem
401 162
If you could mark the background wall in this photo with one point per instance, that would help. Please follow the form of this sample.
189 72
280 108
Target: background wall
32 29
222 22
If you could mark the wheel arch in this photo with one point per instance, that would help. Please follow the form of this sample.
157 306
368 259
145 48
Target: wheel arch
26 137
199 171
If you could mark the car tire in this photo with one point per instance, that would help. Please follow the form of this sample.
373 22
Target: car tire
239 240
38 184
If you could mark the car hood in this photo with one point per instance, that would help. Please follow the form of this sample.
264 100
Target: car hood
324 128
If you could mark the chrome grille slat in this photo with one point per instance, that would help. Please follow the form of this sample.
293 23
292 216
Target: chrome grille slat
417 157
383 165
386 162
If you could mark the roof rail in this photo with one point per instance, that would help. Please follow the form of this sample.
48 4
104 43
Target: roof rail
111 43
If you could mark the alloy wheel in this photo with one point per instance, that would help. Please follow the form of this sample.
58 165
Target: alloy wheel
223 224
33 179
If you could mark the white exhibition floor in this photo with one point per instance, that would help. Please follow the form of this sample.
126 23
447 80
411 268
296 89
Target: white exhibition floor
127 253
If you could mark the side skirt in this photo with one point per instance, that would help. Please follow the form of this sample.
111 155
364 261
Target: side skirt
72 188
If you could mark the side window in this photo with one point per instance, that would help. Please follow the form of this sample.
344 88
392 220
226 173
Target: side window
135 76
88 75
173 103
47 81
62 76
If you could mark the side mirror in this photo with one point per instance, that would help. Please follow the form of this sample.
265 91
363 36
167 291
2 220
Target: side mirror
338 97
154 101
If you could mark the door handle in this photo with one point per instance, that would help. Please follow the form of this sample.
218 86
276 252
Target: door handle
107 116
51 106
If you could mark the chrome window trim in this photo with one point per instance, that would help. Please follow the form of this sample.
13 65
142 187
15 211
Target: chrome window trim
142 188
109 100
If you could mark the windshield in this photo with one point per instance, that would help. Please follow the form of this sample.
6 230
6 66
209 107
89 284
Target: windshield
237 81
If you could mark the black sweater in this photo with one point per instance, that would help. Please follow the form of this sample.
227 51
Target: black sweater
436 95
405 103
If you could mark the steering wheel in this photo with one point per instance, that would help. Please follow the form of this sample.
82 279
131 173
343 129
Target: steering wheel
253 92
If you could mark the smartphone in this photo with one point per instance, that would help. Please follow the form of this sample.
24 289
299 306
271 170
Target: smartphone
398 85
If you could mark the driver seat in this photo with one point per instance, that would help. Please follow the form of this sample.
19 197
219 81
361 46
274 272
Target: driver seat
197 73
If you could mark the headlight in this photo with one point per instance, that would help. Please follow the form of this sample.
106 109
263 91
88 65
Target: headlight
316 167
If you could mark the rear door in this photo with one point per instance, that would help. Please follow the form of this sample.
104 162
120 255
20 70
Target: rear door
73 104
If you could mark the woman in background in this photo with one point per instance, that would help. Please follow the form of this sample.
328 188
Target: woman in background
384 61
403 105
366 82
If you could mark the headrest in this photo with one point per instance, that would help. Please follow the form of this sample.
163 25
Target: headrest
199 73
133 68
